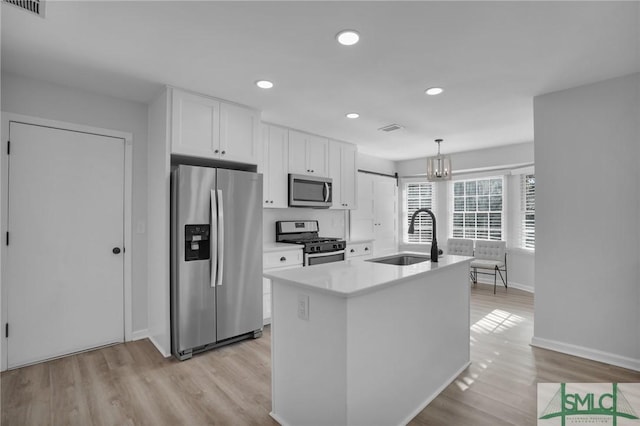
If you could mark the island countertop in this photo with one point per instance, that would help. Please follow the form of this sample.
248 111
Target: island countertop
356 277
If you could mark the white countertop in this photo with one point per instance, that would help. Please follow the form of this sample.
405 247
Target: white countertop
269 247
352 278
360 240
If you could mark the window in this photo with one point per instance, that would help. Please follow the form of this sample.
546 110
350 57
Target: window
418 195
528 211
478 209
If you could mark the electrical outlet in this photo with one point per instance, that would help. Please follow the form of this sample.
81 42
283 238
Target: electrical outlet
303 307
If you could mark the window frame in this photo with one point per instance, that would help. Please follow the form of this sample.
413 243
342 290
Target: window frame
458 213
527 226
422 221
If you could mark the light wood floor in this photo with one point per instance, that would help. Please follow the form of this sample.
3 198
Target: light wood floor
131 384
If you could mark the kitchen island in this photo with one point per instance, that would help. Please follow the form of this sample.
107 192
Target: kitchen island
364 343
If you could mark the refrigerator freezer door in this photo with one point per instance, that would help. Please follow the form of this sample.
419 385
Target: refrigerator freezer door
193 300
240 295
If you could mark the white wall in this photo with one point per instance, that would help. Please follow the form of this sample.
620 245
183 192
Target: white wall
42 99
490 161
508 156
375 164
158 237
587 209
330 222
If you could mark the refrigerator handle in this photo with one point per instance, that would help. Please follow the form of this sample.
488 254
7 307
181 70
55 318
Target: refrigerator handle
220 238
213 239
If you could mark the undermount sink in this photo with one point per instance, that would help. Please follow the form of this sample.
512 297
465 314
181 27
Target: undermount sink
401 259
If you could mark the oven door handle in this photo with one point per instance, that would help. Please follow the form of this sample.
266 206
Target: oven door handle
329 253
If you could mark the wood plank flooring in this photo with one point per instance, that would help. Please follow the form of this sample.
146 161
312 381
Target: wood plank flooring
132 384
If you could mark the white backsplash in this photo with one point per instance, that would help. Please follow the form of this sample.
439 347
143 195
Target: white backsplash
332 223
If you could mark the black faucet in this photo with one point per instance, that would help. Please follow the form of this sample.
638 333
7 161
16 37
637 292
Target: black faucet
434 243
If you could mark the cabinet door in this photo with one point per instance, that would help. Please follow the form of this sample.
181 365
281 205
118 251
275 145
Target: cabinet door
298 153
362 218
263 165
349 175
335 173
277 158
318 155
239 128
308 154
195 124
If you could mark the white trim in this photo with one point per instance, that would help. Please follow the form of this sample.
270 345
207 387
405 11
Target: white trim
6 117
510 284
158 347
588 353
529 170
139 335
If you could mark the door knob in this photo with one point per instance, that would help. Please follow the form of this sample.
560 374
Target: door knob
116 250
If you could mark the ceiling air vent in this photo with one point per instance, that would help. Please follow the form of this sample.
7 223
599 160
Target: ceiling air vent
33 6
390 128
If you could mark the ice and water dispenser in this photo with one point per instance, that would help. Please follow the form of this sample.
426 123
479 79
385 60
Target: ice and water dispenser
196 242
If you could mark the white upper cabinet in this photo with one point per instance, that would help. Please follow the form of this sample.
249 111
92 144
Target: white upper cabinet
275 143
343 171
195 125
208 128
308 154
239 140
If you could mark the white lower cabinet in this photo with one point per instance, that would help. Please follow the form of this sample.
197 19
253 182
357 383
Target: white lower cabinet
360 250
276 260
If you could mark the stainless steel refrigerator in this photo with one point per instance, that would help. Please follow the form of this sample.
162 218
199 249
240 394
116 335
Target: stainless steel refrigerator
216 258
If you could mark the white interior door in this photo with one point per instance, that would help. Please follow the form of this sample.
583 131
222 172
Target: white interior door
65 220
385 208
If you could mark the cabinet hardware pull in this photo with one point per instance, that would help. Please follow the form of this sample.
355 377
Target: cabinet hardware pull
366 249
223 152
216 151
283 259
352 251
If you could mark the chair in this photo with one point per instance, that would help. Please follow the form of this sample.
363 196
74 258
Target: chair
461 247
490 255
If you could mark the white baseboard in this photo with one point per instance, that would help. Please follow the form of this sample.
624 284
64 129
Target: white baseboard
588 353
158 347
435 394
139 335
511 284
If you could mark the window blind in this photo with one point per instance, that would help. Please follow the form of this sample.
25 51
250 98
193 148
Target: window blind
418 195
478 209
528 211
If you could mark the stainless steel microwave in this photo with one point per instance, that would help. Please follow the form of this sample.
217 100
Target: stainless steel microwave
310 191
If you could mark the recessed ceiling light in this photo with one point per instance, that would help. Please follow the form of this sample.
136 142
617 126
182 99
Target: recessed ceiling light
352 115
433 91
264 84
348 37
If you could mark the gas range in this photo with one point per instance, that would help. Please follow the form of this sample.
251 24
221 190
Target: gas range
316 249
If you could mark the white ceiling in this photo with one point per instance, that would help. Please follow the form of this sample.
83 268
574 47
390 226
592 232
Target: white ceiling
491 58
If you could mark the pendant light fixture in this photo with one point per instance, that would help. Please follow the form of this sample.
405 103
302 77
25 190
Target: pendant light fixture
438 167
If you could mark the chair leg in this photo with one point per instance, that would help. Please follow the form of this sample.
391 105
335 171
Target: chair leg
506 280
494 279
503 277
